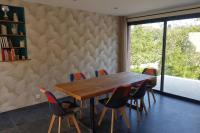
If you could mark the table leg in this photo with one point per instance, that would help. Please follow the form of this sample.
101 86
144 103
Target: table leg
74 101
92 121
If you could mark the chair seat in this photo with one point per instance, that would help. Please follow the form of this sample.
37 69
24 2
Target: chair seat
111 105
69 107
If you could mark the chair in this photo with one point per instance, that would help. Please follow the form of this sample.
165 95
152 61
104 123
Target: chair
117 101
75 77
101 72
152 83
60 110
138 94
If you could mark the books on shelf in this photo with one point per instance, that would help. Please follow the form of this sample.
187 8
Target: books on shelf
4 42
6 54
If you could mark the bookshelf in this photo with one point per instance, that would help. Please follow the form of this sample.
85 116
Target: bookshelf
13 43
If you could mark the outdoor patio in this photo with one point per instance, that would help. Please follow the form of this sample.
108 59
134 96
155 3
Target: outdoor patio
181 86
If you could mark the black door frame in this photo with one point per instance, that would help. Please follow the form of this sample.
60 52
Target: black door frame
165 20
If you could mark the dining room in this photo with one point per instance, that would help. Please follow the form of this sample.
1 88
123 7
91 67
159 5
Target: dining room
99 66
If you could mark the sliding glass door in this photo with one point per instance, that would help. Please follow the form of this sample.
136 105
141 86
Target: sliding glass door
182 67
146 47
172 46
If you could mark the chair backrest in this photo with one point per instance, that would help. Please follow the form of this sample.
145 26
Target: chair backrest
54 105
120 96
101 72
153 72
77 76
141 90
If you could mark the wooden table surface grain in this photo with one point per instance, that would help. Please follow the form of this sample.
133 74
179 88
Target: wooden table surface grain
90 88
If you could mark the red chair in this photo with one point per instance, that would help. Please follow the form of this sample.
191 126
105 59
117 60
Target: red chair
60 110
152 83
75 77
116 102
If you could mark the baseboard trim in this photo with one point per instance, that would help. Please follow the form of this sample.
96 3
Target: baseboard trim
177 97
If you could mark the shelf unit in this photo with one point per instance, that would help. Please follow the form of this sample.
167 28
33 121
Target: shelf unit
13 40
10 21
17 60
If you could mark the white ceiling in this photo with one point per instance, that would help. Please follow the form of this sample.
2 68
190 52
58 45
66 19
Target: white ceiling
125 7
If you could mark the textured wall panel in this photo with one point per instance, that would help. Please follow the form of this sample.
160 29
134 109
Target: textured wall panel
60 41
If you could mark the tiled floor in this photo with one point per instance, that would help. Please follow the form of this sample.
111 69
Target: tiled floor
168 115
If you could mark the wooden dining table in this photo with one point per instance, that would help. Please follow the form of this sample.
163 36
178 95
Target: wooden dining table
94 87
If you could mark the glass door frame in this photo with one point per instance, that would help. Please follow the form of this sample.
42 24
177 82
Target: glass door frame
165 20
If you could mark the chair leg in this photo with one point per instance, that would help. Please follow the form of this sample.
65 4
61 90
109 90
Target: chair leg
153 95
59 124
81 109
144 106
76 124
51 123
70 121
138 112
112 120
123 112
115 115
102 115
149 100
85 102
131 103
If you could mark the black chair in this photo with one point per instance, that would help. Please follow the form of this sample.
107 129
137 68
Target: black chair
61 110
74 77
152 83
116 102
138 94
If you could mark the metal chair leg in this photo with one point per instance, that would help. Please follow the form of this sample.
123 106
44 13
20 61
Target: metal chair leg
144 106
153 95
149 100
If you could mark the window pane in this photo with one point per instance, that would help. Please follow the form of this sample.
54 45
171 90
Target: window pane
146 47
182 68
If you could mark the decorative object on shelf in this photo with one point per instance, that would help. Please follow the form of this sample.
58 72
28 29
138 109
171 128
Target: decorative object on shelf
21 33
15 17
22 44
12 51
3 29
10 43
14 29
16 57
5 9
23 57
6 56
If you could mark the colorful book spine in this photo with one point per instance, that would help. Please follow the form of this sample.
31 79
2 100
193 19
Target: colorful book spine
12 54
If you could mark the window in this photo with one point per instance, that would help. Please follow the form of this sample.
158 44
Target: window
172 46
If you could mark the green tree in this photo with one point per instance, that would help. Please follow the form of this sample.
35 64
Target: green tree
182 59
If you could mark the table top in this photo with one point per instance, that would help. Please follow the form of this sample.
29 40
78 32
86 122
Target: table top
90 88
